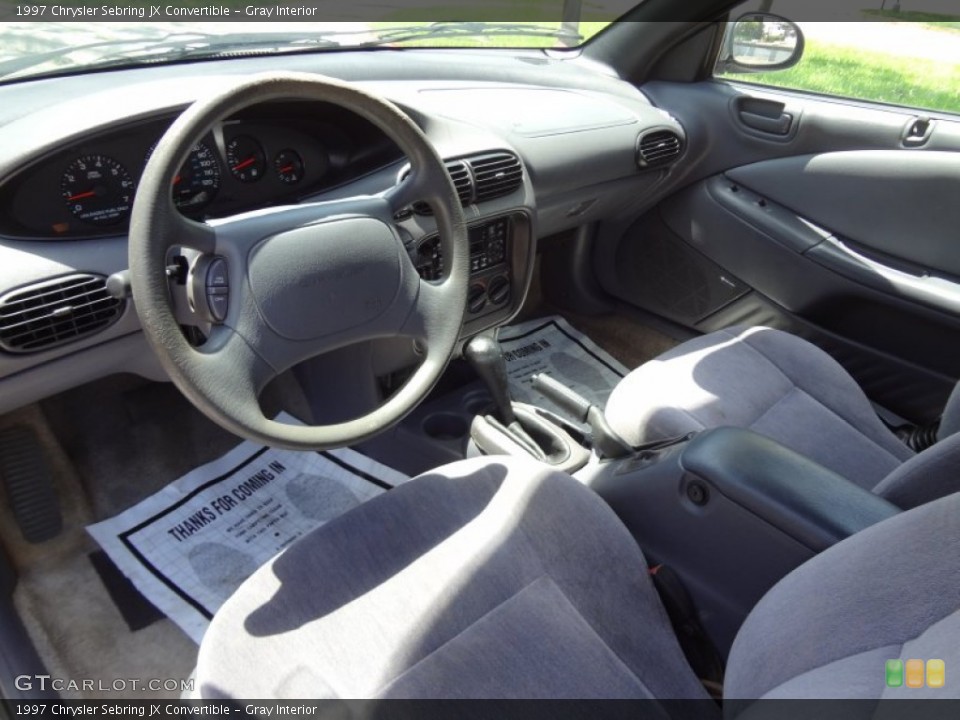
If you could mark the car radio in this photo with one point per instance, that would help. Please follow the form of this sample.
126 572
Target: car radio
488 249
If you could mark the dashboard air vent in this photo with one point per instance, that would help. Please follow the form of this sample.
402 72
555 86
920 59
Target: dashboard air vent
461 181
658 148
496 174
56 312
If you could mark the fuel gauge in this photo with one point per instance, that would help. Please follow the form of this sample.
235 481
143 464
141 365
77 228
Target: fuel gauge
289 166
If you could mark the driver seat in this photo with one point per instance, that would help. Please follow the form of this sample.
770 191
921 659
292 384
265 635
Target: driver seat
502 578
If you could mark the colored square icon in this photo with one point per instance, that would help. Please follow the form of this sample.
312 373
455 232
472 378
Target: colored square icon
936 673
914 673
894 673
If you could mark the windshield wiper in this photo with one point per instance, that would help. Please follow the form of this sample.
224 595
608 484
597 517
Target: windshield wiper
440 30
169 48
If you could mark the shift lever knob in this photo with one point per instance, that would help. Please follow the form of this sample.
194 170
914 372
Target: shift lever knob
483 354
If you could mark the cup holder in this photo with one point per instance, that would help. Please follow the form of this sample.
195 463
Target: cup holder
445 426
476 402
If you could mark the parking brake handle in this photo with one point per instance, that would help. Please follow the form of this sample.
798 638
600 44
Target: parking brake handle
607 443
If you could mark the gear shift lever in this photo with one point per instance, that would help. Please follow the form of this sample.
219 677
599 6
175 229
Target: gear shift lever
508 431
483 354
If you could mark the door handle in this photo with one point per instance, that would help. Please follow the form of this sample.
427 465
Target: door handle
767 116
779 125
917 131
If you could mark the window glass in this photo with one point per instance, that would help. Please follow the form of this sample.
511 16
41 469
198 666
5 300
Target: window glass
890 53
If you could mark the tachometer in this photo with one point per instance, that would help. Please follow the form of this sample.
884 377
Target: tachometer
198 182
97 189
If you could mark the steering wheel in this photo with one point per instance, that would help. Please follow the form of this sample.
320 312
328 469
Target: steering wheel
301 280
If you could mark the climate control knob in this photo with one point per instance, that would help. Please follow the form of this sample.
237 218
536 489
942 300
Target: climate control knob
476 298
498 290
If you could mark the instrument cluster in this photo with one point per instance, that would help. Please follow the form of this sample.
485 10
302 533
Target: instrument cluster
98 188
88 189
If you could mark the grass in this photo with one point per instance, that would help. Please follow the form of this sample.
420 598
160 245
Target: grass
587 30
945 22
843 71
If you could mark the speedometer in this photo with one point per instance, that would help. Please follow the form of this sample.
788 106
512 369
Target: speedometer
197 183
97 189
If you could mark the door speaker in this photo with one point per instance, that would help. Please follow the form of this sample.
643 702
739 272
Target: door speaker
659 272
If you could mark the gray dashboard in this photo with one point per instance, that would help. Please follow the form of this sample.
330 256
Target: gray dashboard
576 144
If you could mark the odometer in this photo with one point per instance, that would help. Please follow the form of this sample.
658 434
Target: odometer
97 189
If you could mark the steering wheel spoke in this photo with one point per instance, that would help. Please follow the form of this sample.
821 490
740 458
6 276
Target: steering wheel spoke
194 235
229 355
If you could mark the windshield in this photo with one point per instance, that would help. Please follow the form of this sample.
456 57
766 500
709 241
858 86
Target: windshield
58 38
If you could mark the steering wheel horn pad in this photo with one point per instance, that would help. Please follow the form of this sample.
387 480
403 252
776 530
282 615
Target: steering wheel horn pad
323 279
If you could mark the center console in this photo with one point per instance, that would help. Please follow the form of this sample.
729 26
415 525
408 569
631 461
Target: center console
731 512
501 261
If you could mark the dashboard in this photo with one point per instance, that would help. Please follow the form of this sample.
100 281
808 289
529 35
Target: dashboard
547 147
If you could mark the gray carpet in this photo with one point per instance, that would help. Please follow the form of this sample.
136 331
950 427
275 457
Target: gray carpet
128 438
629 341
71 619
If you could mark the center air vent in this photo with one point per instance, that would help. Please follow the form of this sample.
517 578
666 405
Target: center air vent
480 177
56 312
461 181
658 148
495 174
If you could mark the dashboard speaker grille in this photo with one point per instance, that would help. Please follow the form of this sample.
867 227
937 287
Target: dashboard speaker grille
658 148
496 174
55 312
461 181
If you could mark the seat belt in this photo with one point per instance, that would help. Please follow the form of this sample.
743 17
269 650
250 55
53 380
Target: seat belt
699 650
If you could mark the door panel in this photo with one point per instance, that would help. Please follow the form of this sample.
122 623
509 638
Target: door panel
901 203
837 230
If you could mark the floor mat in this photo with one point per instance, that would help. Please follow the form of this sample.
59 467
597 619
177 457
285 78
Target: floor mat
137 611
551 345
631 342
188 547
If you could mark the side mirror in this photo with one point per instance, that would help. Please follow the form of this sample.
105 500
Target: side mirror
761 42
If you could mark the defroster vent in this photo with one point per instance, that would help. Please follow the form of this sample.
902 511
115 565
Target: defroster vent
658 148
55 312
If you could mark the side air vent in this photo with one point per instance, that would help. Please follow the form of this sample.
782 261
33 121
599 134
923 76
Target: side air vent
56 312
461 181
658 148
496 174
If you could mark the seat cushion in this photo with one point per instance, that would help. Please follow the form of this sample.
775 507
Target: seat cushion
491 578
826 630
765 380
